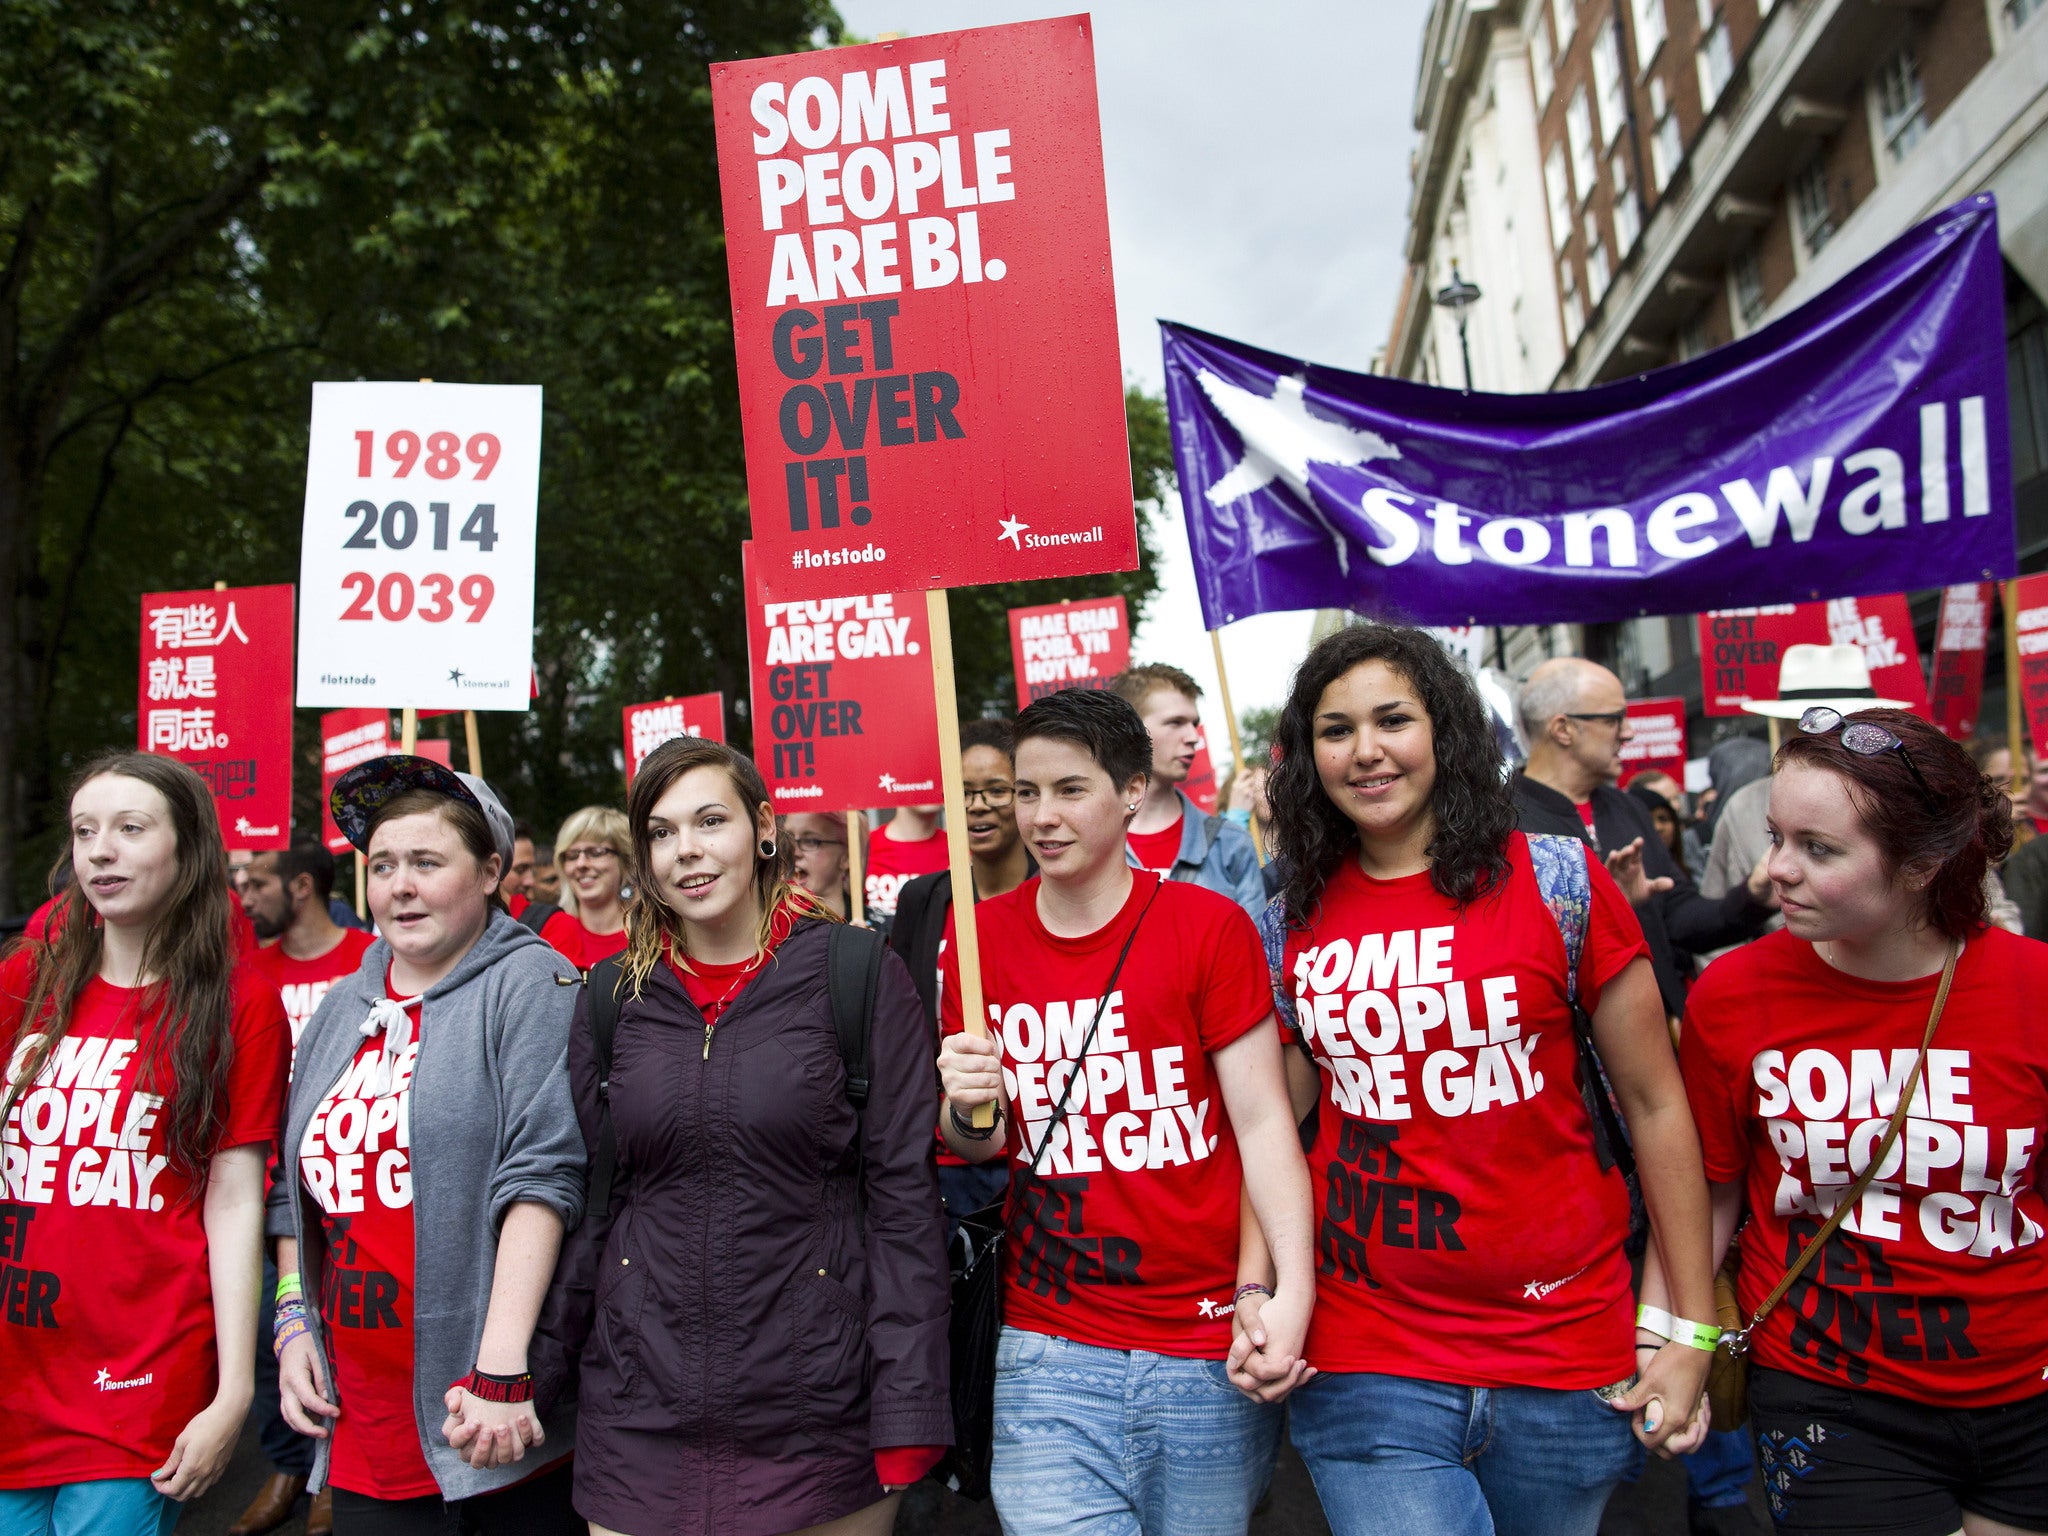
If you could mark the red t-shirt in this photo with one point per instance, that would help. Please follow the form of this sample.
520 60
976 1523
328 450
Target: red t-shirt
106 1301
1933 1290
356 1159
1466 1233
1157 851
715 988
302 983
44 922
893 865
583 947
516 904
1130 1227
1585 810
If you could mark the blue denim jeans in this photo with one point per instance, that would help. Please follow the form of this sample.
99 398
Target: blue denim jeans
289 1451
114 1506
1389 1453
1119 1442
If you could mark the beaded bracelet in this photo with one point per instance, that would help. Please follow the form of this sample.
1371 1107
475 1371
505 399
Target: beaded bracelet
1250 1288
498 1389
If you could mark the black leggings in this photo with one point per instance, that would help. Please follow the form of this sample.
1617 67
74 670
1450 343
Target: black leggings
537 1507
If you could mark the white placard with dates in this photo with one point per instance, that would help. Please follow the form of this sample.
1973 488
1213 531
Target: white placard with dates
416 571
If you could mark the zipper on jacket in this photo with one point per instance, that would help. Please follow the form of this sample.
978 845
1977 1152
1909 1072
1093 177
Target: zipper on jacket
707 1039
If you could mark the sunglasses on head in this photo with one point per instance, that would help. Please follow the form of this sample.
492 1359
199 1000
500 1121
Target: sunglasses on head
1862 738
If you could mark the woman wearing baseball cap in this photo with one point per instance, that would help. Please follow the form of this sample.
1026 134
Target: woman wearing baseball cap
405 1358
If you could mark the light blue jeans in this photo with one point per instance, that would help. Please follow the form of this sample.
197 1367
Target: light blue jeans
1425 1458
115 1506
1122 1442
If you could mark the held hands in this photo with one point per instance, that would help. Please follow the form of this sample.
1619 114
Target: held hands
490 1434
1267 1334
201 1452
1761 891
1626 865
1668 1375
971 1070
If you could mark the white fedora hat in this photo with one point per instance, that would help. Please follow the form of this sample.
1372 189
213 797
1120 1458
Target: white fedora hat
1814 675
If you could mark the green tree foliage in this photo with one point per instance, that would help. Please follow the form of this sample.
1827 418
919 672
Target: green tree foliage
206 205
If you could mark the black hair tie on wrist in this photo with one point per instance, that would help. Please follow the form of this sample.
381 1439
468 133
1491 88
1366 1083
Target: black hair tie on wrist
968 1130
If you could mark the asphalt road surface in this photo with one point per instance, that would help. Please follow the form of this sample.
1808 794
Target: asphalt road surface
1653 1507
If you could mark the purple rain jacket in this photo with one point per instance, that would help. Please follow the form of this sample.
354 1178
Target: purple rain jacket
739 1347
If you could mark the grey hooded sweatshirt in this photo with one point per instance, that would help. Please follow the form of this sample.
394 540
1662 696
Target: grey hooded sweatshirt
491 1124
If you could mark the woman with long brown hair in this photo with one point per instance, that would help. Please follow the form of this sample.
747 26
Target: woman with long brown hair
145 1067
758 1311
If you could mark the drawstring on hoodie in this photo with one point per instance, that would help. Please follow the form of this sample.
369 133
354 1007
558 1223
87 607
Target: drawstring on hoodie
392 1019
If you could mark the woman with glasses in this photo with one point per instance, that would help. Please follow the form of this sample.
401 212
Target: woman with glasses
1899 1384
595 856
822 863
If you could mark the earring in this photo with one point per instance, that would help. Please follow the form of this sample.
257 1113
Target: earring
767 848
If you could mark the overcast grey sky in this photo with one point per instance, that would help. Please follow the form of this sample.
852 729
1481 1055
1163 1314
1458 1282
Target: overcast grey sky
1257 160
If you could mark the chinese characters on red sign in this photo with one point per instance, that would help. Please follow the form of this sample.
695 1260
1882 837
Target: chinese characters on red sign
215 692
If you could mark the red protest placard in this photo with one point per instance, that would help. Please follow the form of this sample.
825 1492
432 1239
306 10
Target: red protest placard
1740 648
1957 691
1068 645
649 725
842 708
923 311
347 737
215 692
1200 784
1658 745
2031 602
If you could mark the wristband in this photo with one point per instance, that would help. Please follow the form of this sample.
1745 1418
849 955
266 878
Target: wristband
288 1285
1250 1288
1678 1330
967 1130
291 1324
498 1389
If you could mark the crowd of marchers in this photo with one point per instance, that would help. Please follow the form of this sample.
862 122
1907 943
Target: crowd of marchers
1477 1126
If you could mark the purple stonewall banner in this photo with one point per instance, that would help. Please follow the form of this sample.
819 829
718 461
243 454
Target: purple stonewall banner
1857 445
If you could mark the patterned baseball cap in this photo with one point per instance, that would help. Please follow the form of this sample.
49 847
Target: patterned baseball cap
366 788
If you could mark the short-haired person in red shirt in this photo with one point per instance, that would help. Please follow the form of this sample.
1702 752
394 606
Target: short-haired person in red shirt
1902 1383
1136 1071
144 1070
595 855
1472 1324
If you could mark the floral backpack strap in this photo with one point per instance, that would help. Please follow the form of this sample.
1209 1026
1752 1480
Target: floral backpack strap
1566 885
1272 924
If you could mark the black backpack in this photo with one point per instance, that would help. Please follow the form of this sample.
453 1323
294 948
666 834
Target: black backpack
535 914
853 972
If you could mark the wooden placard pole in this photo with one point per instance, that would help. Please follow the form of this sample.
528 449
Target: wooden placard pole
408 731
940 621
1236 746
476 750
1776 728
856 903
2009 592
362 884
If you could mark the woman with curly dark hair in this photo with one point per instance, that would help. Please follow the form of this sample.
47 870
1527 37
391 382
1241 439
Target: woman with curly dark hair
1884 1058
1472 1321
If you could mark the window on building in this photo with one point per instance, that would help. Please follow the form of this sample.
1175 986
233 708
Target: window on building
1813 215
1557 183
1564 17
1650 30
1666 148
1901 103
1578 127
1574 310
1628 220
2026 371
2019 12
1608 86
1540 72
1716 61
1692 337
1746 283
1599 273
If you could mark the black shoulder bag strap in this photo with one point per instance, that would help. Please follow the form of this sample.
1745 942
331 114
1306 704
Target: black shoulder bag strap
853 975
534 916
601 991
1060 1112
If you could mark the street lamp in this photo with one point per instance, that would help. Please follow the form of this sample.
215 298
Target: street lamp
1458 296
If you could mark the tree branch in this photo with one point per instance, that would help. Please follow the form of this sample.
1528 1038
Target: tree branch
163 381
75 567
118 286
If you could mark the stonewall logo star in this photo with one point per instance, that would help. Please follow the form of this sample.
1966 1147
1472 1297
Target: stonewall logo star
1281 439
1011 528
